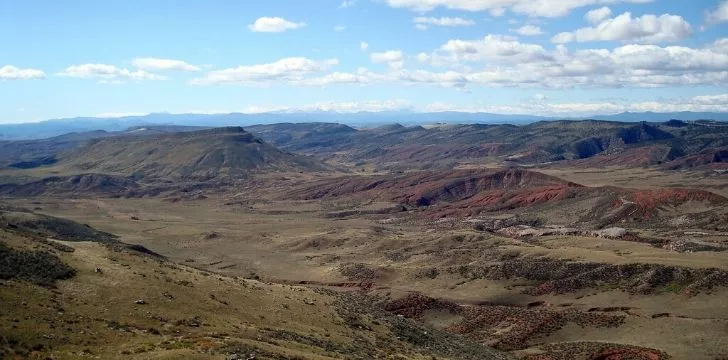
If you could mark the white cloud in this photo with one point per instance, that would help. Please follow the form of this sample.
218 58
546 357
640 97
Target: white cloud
718 15
393 58
9 72
156 64
421 23
563 38
497 12
337 78
643 29
364 46
347 3
107 73
491 47
598 15
120 114
505 62
339 28
528 30
287 70
330 106
535 8
355 106
706 103
274 25
720 45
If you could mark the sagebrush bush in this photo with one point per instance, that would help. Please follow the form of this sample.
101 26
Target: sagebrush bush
38 267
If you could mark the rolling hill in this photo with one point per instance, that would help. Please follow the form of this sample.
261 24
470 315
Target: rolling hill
69 291
481 193
201 155
55 127
399 147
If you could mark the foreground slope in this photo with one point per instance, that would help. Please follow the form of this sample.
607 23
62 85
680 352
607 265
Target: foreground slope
85 298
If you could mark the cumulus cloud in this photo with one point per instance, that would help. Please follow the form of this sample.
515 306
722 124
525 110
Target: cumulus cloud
357 106
287 69
331 106
718 15
274 25
643 29
490 47
107 73
497 12
505 62
10 72
596 16
337 78
120 114
528 30
705 103
157 64
535 8
393 58
364 46
720 45
422 23
347 3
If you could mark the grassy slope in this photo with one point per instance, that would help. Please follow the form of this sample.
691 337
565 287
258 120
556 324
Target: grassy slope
189 313
200 154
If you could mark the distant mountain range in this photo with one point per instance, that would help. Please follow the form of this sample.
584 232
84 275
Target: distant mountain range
56 127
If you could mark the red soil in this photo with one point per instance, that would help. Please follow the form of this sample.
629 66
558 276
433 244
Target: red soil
713 159
648 201
642 156
463 193
426 188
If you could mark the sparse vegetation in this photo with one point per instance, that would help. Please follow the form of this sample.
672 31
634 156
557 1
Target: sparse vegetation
407 259
39 267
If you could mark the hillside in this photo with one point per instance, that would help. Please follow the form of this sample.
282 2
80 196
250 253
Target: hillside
27 154
55 127
83 298
473 193
204 154
399 147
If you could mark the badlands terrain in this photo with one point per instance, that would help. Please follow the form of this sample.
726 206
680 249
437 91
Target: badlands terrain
554 240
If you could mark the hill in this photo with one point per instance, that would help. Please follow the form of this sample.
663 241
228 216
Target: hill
588 143
477 193
399 147
25 154
85 298
55 127
203 154
75 185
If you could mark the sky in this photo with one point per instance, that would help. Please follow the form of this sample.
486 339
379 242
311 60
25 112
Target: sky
111 58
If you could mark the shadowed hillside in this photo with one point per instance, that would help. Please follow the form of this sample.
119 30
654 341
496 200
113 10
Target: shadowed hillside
399 147
205 154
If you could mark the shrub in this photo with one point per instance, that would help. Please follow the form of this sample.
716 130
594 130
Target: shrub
38 267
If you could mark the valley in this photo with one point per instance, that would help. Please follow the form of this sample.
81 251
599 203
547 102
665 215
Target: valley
554 240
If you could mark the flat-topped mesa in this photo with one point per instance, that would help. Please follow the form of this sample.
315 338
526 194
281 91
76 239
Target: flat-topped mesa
202 154
228 133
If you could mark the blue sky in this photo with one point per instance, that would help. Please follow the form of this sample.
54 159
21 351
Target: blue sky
567 57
